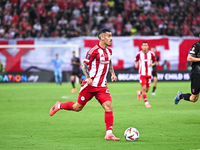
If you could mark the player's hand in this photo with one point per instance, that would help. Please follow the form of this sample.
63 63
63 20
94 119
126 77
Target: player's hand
136 65
113 78
89 81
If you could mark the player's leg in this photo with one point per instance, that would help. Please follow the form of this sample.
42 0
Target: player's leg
80 79
139 92
67 106
154 85
56 76
145 89
83 97
195 89
73 83
104 98
60 77
187 97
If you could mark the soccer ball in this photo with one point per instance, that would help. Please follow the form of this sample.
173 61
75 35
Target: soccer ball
131 134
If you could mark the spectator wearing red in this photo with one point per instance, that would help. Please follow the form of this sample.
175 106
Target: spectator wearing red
118 25
15 18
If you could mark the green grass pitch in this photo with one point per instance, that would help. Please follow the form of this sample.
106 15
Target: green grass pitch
25 122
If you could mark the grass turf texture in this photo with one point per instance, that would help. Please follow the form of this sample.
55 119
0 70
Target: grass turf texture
25 122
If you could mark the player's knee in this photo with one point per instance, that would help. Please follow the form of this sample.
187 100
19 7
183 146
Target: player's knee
77 108
194 100
108 106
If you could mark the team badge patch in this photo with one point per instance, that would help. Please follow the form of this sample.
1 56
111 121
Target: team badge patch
193 49
88 56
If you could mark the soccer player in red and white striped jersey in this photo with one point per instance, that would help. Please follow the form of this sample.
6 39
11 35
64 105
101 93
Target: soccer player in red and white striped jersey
145 59
96 65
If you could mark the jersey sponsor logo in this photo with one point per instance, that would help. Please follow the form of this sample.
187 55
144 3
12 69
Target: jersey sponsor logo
104 62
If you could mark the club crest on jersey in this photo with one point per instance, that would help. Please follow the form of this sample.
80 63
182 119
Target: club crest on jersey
82 98
107 91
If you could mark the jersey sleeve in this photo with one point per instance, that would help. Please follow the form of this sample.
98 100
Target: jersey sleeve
137 57
193 50
158 59
153 57
90 56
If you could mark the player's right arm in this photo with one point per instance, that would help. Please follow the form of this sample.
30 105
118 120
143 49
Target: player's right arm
86 73
136 60
90 56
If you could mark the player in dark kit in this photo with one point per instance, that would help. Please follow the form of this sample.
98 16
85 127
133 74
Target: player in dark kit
194 57
154 72
75 71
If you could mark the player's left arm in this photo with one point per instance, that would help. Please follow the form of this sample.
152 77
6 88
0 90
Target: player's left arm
192 56
113 76
153 64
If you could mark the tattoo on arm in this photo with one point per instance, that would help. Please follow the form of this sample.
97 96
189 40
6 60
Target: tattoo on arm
85 70
111 67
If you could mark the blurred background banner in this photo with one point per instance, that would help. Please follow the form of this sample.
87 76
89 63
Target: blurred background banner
35 55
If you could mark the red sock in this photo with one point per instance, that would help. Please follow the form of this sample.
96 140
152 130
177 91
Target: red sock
67 105
145 98
109 120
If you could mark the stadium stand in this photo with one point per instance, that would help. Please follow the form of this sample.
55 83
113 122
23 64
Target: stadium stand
73 18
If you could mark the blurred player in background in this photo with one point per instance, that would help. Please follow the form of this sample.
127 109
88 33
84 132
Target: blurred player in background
145 59
1 66
75 71
58 69
194 57
154 73
95 67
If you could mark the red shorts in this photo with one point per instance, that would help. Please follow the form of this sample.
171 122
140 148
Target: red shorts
102 94
145 80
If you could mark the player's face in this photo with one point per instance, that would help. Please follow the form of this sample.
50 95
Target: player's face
108 38
73 54
145 47
153 50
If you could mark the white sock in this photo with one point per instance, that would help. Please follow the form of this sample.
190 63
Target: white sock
59 106
146 103
108 132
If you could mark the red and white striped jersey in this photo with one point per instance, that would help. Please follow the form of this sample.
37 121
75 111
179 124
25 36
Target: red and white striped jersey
145 59
98 60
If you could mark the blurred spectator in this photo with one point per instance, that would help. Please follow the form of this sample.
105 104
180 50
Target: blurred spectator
165 65
1 66
55 8
2 31
37 26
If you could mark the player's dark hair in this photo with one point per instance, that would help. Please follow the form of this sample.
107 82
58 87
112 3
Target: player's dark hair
102 31
144 42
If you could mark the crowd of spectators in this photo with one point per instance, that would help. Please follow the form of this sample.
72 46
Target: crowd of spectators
72 18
